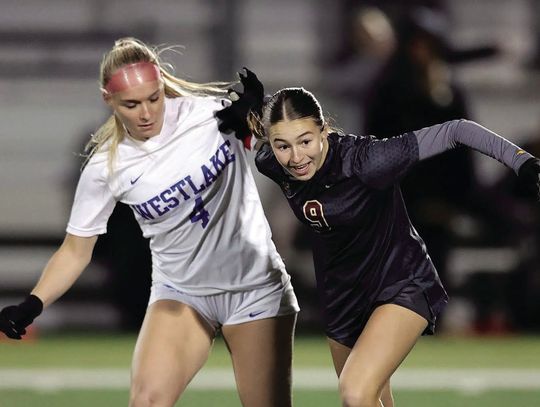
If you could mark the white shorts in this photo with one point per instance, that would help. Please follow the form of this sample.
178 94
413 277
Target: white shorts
234 307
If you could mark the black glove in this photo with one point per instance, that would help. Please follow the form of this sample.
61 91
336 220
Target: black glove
529 182
235 116
15 318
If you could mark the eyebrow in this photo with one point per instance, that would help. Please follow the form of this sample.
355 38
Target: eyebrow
137 100
297 137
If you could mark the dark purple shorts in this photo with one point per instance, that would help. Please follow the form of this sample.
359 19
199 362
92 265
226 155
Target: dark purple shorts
411 297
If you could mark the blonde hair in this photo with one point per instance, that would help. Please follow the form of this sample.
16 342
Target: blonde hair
128 51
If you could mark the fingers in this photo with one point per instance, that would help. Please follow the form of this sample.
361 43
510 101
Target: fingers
10 329
12 335
247 75
250 82
250 75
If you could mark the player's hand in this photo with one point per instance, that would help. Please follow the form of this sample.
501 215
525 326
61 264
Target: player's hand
529 180
235 116
15 318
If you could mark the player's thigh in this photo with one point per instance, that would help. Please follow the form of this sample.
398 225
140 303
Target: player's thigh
261 353
387 338
340 353
173 344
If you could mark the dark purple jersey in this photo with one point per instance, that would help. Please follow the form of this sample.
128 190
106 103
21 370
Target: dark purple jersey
365 248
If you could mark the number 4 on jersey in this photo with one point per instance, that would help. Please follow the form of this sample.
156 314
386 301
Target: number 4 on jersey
199 213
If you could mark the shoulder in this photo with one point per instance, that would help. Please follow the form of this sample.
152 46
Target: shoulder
96 167
347 144
211 103
348 140
98 160
344 152
191 110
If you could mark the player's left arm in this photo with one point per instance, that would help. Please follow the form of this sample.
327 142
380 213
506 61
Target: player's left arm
234 117
439 138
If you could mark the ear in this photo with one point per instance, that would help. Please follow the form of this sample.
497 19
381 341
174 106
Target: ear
324 130
107 97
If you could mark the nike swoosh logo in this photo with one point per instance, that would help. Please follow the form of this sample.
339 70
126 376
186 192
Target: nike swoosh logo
133 181
254 314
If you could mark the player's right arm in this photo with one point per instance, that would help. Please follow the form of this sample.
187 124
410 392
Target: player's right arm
64 267
60 273
92 206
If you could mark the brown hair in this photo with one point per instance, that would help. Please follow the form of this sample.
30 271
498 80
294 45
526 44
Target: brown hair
287 104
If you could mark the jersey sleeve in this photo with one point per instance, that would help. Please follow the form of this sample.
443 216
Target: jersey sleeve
441 137
93 204
381 163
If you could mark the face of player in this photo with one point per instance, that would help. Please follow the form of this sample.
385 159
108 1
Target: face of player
300 146
141 108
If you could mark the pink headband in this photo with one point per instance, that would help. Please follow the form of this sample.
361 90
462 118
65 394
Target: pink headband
132 75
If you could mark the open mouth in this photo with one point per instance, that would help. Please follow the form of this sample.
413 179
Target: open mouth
300 169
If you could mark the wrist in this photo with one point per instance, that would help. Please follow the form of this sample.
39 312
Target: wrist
33 305
528 163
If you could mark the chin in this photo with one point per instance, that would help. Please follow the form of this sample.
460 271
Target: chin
305 177
148 135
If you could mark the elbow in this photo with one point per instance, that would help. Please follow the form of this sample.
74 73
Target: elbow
79 249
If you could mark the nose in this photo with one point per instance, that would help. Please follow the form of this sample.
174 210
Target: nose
296 157
144 112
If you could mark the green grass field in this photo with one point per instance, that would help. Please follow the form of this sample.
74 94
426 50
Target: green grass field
27 366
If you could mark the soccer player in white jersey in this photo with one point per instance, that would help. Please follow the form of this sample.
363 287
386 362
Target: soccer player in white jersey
214 265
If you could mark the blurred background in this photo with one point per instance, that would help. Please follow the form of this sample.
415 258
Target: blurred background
377 67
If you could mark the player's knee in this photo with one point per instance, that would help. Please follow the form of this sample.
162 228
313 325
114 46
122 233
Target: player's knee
144 395
355 394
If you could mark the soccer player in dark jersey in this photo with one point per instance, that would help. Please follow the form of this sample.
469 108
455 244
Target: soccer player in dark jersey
377 284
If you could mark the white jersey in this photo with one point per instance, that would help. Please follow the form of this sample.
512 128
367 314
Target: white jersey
193 194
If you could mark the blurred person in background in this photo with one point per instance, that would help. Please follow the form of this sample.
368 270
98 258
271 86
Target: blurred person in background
518 220
416 89
376 282
534 62
367 45
214 265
